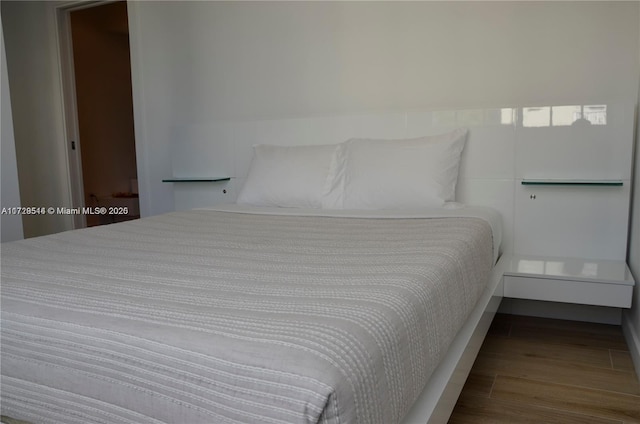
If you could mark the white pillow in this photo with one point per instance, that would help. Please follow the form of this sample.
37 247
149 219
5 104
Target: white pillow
287 176
394 174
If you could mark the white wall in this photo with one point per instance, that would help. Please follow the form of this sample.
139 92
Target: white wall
36 102
11 226
208 62
204 62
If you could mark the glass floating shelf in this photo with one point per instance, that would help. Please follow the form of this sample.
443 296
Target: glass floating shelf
607 183
195 179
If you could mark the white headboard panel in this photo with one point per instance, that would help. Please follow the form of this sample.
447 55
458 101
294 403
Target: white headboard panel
505 146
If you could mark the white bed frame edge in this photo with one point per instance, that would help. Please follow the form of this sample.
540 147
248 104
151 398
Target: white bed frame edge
438 399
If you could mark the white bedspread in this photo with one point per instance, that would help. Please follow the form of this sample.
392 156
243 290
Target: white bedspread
220 317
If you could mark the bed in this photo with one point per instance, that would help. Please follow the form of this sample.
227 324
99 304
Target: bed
248 314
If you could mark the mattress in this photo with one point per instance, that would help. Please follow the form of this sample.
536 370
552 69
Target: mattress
234 316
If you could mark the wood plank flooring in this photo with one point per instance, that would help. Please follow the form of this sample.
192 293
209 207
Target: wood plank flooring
539 370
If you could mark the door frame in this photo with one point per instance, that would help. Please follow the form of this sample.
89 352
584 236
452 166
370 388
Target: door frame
73 144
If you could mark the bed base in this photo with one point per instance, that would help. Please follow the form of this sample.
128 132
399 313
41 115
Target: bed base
436 402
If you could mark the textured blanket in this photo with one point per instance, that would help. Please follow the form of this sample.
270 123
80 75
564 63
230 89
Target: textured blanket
218 317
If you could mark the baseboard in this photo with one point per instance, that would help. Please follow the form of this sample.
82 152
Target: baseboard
632 335
557 310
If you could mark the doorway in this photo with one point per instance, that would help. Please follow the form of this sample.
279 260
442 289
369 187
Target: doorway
102 151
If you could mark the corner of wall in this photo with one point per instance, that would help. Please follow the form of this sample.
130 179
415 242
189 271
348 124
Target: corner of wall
631 318
632 336
11 227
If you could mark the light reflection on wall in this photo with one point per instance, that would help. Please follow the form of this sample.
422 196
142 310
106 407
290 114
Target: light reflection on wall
507 116
531 117
557 116
558 268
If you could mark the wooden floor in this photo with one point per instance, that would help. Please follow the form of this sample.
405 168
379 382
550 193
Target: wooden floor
537 370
